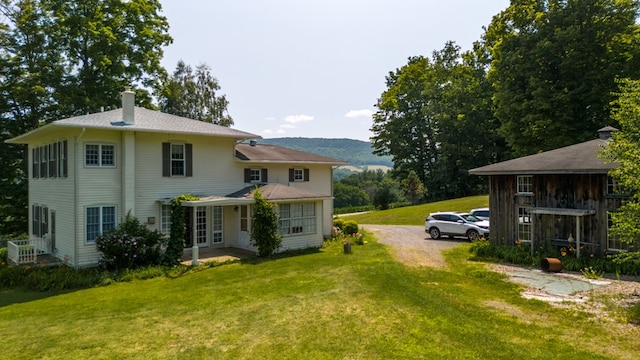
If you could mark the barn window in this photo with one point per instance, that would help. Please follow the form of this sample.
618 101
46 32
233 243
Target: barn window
524 224
613 240
525 184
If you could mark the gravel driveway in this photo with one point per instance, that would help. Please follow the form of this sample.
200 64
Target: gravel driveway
412 246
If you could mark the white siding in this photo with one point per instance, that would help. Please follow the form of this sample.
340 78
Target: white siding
97 186
57 194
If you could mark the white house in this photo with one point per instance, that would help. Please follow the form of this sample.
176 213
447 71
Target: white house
87 172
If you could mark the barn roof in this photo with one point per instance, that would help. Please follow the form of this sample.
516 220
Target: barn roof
580 158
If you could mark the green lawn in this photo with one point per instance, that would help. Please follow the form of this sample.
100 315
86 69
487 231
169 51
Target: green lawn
319 305
415 215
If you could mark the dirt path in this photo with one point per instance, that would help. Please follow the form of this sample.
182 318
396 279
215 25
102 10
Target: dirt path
412 246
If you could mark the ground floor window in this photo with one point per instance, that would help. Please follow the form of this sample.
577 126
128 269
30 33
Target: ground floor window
613 240
216 224
524 224
40 220
165 219
99 219
297 218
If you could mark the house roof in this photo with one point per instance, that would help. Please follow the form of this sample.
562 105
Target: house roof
278 154
145 121
278 192
580 158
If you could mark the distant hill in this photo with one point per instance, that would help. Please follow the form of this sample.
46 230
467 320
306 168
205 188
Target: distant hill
355 152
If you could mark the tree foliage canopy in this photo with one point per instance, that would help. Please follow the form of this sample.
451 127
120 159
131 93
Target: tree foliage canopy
435 119
65 58
554 67
625 150
192 94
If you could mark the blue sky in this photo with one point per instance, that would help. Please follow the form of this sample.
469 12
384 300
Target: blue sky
311 68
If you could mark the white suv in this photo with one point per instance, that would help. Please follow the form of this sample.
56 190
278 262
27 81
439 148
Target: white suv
455 224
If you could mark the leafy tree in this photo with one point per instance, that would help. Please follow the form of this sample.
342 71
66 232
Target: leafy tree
64 58
178 232
412 187
349 195
192 94
554 66
435 119
388 192
625 150
265 234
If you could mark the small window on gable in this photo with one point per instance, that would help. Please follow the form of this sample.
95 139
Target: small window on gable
525 184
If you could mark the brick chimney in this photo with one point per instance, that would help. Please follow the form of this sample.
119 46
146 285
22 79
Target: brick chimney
128 104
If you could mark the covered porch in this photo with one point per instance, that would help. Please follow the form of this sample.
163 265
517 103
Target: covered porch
216 254
562 227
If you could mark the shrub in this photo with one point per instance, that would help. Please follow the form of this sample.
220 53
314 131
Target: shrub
350 227
3 256
131 245
265 233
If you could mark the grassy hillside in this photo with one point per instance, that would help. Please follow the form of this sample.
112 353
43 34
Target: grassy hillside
321 304
355 152
415 215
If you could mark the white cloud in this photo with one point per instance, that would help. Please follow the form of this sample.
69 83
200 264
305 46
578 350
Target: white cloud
294 119
267 131
287 126
270 118
359 113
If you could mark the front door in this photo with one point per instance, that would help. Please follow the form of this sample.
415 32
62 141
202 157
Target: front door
244 241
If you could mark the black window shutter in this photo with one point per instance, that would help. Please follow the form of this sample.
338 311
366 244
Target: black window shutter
306 174
247 175
166 159
54 164
45 221
291 175
35 156
34 223
188 149
263 176
65 162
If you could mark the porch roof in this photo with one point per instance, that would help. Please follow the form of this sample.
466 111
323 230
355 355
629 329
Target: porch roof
278 192
562 211
217 201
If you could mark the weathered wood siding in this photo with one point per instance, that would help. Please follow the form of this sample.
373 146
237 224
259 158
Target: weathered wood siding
564 191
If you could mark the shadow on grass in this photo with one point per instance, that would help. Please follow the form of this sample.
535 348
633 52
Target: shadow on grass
18 296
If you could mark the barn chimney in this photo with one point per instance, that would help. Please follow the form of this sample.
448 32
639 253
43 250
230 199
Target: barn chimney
128 104
605 132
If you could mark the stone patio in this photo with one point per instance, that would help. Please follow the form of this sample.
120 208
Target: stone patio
216 254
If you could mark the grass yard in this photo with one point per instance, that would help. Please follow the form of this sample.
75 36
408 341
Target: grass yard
319 305
415 215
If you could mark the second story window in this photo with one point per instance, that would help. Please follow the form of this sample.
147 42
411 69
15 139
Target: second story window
298 175
525 184
100 155
255 175
177 159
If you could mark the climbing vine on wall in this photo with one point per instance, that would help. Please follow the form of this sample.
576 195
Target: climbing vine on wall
175 245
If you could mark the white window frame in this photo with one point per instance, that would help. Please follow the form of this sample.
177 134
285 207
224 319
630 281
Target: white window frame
217 222
298 174
524 224
297 218
104 224
175 160
102 155
255 175
165 219
524 184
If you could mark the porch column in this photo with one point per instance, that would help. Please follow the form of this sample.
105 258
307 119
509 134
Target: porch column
577 236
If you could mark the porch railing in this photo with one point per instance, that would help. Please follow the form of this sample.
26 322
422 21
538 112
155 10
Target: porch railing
27 251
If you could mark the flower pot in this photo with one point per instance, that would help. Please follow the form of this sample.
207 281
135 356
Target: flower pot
551 265
347 248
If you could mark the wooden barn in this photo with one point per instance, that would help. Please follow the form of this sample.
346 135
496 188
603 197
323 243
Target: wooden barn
558 198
